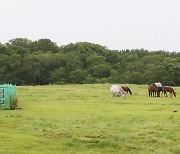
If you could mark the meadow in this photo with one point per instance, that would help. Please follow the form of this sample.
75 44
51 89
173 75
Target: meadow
84 119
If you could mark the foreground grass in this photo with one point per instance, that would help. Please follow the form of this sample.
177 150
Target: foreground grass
84 119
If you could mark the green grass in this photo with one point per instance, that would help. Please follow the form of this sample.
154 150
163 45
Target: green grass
84 119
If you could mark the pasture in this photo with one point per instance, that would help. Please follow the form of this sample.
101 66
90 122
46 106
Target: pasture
84 119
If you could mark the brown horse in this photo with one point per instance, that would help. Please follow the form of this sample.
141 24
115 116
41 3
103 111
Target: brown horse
152 90
127 89
166 89
158 90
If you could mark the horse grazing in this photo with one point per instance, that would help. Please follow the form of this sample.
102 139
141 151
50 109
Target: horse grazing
159 88
152 90
166 89
127 89
117 90
155 89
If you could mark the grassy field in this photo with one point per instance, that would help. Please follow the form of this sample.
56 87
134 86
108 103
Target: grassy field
84 119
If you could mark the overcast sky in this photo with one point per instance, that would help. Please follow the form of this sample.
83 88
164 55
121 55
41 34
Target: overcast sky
116 24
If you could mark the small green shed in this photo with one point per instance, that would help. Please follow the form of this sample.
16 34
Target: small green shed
8 99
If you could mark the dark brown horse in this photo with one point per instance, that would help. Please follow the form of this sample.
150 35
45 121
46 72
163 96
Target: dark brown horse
158 90
169 89
152 90
127 89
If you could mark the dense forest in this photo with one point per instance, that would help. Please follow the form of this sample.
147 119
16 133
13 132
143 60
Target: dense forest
42 62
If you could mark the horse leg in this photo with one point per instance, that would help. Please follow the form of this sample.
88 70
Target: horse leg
157 94
165 93
111 94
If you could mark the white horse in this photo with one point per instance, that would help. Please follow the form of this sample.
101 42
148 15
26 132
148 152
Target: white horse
117 91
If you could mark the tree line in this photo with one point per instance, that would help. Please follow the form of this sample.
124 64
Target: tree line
42 62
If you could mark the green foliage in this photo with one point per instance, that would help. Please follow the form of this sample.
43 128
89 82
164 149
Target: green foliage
26 62
44 45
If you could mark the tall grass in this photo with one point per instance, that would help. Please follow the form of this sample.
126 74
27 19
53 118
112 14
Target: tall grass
84 119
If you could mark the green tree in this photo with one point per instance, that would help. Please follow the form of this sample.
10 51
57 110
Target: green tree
58 76
44 45
21 42
101 71
77 76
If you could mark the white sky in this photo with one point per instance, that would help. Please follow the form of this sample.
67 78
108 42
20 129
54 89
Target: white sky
116 24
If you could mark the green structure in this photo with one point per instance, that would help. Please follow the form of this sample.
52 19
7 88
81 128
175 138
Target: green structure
8 99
